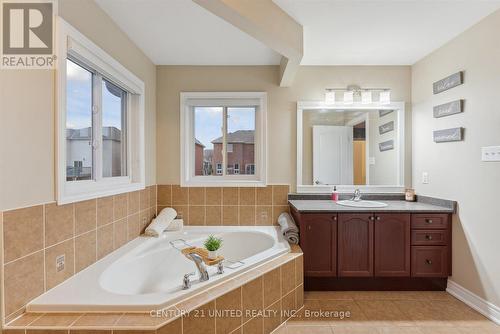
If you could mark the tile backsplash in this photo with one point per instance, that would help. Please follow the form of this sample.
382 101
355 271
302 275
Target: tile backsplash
36 239
225 206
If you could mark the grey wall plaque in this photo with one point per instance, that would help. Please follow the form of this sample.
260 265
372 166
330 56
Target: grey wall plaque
387 127
448 109
451 81
382 113
447 135
386 145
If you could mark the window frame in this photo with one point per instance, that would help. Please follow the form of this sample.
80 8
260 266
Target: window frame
223 99
79 49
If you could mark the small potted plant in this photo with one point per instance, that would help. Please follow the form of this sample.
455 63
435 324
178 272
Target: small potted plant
212 244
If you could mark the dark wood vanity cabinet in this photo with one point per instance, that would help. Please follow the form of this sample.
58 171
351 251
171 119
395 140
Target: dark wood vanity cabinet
376 246
355 245
319 244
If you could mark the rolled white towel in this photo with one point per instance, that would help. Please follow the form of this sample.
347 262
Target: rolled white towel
288 228
161 222
176 225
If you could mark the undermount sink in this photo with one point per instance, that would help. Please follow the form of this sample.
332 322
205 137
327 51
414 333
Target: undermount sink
362 204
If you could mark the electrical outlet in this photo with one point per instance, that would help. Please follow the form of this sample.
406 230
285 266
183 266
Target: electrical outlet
60 262
490 153
425 178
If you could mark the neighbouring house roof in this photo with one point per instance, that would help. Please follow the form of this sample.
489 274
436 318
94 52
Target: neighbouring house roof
197 142
108 133
237 137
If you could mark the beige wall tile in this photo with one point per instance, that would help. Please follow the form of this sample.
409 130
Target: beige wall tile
230 196
180 195
230 215
164 195
299 270
152 196
288 305
247 195
272 287
265 195
299 296
193 324
90 331
213 215
144 219
196 215
134 200
213 196
59 223
173 327
120 206
52 276
263 215
182 212
254 326
247 215
231 301
55 320
133 226
196 196
144 199
287 277
120 233
85 250
280 194
85 216
22 232
252 297
46 331
104 210
25 319
138 319
104 241
23 281
273 320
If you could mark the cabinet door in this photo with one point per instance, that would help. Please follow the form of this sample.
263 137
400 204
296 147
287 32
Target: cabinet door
392 245
355 245
318 240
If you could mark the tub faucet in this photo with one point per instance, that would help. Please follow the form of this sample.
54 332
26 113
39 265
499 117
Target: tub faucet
202 269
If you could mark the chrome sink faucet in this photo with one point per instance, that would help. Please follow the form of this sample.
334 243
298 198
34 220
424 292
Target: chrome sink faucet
357 196
202 269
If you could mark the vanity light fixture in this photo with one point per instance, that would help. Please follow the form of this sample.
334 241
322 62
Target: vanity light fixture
354 93
330 96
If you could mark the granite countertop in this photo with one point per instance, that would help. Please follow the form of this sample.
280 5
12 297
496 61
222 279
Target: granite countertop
393 206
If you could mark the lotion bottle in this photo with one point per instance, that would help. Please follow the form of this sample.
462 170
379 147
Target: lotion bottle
335 194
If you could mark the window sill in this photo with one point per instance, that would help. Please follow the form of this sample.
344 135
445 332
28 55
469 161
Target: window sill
91 190
219 182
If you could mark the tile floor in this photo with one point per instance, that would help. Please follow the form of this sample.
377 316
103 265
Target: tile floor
391 312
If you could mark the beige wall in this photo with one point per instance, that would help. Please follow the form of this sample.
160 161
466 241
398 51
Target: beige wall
309 84
27 111
455 169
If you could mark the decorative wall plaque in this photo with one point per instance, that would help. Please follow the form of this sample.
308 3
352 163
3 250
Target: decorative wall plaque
387 127
386 145
382 113
447 135
448 109
449 82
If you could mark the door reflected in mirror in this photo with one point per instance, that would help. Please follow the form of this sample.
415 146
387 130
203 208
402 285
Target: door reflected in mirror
351 147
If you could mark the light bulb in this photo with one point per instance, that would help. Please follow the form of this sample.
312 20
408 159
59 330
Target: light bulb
385 97
366 97
330 97
349 97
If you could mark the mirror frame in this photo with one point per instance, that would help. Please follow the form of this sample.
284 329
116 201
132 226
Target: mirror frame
398 107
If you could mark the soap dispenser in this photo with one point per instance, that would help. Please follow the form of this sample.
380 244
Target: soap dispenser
335 194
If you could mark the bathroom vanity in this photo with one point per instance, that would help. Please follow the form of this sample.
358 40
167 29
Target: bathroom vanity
403 246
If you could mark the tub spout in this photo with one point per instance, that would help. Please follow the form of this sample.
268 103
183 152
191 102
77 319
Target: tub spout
202 269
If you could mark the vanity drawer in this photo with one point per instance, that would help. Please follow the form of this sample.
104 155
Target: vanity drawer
429 237
429 221
429 261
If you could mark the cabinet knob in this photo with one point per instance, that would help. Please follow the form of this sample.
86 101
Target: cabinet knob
377 218
372 218
429 262
308 227
428 237
428 221
334 218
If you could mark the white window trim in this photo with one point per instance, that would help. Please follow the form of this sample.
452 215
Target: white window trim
71 41
187 139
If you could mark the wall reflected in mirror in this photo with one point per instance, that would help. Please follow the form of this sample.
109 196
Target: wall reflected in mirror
350 147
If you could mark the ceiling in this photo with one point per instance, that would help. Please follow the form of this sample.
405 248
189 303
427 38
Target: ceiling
336 32
180 32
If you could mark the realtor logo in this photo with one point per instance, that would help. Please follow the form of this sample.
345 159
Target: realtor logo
27 35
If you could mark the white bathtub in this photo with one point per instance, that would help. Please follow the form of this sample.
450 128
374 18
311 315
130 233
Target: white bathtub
147 272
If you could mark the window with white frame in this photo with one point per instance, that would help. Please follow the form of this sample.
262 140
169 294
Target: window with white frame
100 121
224 130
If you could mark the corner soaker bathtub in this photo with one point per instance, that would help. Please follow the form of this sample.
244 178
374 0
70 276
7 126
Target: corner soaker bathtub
147 272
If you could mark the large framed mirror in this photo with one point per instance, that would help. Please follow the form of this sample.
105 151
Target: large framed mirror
350 147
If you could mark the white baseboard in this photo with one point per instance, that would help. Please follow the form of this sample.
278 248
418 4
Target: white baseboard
484 307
